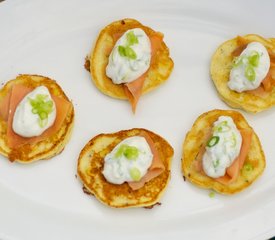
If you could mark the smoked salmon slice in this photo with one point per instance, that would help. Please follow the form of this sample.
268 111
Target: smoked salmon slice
233 171
133 90
156 168
18 92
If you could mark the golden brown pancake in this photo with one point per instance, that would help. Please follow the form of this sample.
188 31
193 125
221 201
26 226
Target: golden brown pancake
221 65
197 136
159 71
46 148
91 163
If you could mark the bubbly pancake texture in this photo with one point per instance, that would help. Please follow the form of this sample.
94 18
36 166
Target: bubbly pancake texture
198 135
91 162
47 147
160 68
220 68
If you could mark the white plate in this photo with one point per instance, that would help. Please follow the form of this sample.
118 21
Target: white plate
44 200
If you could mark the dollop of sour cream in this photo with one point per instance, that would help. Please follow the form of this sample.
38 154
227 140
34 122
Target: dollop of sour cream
128 161
35 113
130 57
250 68
222 148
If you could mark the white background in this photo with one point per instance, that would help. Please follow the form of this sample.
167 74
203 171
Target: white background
44 200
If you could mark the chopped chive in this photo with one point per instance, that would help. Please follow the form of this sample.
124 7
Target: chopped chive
121 51
213 141
254 58
216 163
41 107
130 152
130 53
250 73
131 38
248 167
135 174
211 194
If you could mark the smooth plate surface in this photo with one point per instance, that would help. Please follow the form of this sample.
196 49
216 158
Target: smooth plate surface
44 200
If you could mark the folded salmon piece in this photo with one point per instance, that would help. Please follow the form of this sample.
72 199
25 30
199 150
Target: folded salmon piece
133 90
156 168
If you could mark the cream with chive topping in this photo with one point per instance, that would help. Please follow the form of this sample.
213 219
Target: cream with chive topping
128 161
222 147
250 68
130 57
35 113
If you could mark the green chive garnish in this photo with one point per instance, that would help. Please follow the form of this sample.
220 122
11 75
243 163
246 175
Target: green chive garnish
216 163
130 53
121 51
131 38
248 167
130 152
222 127
42 107
254 58
127 52
211 194
237 61
250 73
135 174
213 141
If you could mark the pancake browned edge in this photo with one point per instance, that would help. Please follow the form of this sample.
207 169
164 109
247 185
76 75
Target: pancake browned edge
197 136
221 65
160 68
47 148
91 163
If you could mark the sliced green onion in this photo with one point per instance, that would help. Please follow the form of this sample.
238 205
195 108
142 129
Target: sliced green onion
135 174
130 152
216 163
248 167
41 107
237 61
127 52
212 194
43 115
250 73
222 127
121 51
131 38
213 141
120 150
42 123
254 58
130 53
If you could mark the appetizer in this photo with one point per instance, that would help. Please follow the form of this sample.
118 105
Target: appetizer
128 60
36 119
243 71
130 168
222 152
